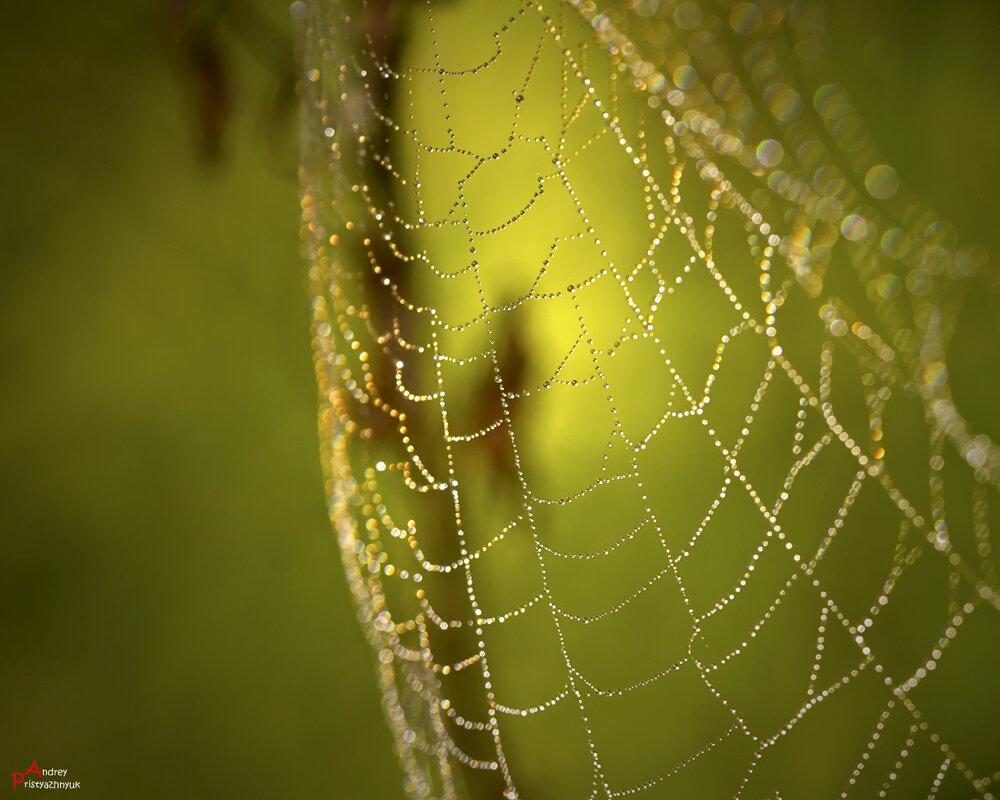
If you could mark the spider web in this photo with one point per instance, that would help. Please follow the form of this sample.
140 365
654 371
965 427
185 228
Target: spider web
642 446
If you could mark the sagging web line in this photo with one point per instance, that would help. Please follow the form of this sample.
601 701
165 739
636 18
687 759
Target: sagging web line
758 328
661 573
486 316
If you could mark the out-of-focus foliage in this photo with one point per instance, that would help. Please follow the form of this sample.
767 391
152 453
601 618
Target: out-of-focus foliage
173 619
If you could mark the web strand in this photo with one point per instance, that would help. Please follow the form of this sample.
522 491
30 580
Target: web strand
616 351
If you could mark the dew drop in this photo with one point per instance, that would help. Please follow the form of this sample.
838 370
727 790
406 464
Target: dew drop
882 181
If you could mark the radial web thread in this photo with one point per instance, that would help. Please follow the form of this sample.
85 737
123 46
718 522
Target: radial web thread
637 409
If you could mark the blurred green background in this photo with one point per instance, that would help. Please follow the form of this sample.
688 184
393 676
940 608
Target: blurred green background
174 621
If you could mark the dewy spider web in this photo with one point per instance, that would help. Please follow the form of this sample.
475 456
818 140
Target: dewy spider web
642 447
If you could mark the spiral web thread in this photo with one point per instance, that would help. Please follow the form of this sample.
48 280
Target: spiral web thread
828 299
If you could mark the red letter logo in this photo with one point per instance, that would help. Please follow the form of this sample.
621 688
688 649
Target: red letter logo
19 776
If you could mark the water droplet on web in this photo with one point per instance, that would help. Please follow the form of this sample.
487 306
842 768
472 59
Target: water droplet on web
770 152
882 182
687 15
685 76
745 18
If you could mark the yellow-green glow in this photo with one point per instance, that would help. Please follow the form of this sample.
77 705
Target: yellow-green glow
644 457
